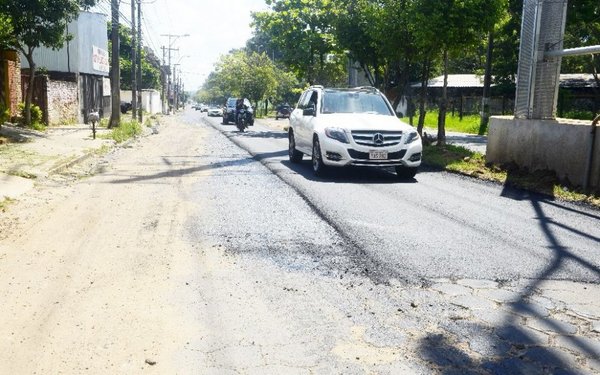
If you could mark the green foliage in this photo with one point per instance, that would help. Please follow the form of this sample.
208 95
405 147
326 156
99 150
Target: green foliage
4 113
302 32
125 131
150 63
247 74
51 19
37 116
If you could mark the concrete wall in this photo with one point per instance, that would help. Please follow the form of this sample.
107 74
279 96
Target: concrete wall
63 103
558 145
151 102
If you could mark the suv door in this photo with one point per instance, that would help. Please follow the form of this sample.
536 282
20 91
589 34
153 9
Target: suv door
296 119
305 127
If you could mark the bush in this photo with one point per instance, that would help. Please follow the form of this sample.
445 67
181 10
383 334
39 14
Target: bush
125 131
36 116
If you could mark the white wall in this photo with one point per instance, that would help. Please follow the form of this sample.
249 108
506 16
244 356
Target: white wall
151 102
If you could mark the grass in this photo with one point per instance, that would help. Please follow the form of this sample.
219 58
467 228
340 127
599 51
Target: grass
468 124
463 161
124 132
4 203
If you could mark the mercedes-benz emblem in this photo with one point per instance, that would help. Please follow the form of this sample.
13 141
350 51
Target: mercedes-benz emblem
378 138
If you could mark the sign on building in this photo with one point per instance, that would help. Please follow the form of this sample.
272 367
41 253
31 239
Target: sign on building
100 59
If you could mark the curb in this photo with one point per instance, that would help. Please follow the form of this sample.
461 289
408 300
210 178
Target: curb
87 155
68 164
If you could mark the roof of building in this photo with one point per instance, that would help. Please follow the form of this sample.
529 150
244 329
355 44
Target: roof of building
474 80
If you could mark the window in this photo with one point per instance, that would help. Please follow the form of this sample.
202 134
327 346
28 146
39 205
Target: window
347 101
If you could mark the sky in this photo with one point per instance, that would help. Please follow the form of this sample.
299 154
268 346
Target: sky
214 28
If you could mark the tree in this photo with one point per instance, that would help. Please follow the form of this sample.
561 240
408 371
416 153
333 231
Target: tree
250 75
451 27
36 23
115 68
302 31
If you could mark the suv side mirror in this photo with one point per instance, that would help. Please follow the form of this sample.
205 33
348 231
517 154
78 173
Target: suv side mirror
309 111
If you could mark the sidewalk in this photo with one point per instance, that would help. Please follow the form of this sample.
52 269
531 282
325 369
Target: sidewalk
30 155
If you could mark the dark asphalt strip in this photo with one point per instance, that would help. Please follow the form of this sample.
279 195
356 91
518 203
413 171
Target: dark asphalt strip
365 265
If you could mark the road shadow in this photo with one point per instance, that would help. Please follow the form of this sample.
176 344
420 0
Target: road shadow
512 347
348 175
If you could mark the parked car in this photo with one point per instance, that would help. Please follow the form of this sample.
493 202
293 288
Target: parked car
283 111
125 106
229 111
352 127
215 111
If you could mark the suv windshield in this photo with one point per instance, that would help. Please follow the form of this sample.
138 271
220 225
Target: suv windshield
231 102
352 101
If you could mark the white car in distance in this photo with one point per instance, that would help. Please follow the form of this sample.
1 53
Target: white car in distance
352 127
215 112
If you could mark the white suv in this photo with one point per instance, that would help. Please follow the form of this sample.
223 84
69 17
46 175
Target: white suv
352 127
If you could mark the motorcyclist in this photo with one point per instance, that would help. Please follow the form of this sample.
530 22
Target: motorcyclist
239 104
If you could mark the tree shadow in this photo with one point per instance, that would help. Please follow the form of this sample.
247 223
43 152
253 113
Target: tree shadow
514 348
182 172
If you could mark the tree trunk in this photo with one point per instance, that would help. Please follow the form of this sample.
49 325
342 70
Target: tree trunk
441 137
115 72
487 83
134 83
30 87
423 95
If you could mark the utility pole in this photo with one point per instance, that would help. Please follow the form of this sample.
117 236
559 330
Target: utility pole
170 83
176 91
115 72
487 83
163 74
139 61
134 83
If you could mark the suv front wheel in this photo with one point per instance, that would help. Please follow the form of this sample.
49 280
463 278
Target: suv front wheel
406 172
317 159
295 155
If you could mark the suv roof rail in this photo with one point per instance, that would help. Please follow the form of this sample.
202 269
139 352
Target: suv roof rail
316 87
366 88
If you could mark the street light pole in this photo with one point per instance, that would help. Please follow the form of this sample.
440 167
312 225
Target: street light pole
139 62
169 83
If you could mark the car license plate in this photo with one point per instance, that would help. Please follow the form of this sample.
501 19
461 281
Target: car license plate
378 155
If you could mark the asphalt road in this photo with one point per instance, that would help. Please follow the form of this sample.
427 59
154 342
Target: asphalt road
200 250
439 225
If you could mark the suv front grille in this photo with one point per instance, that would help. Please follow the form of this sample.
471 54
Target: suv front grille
375 138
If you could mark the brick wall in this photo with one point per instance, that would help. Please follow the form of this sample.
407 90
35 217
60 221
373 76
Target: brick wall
63 102
12 79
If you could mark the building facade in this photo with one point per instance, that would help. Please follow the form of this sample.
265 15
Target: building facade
72 80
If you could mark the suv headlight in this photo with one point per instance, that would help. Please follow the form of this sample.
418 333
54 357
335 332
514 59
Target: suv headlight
337 134
412 136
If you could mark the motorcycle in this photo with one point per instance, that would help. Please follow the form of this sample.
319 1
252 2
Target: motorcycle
242 121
